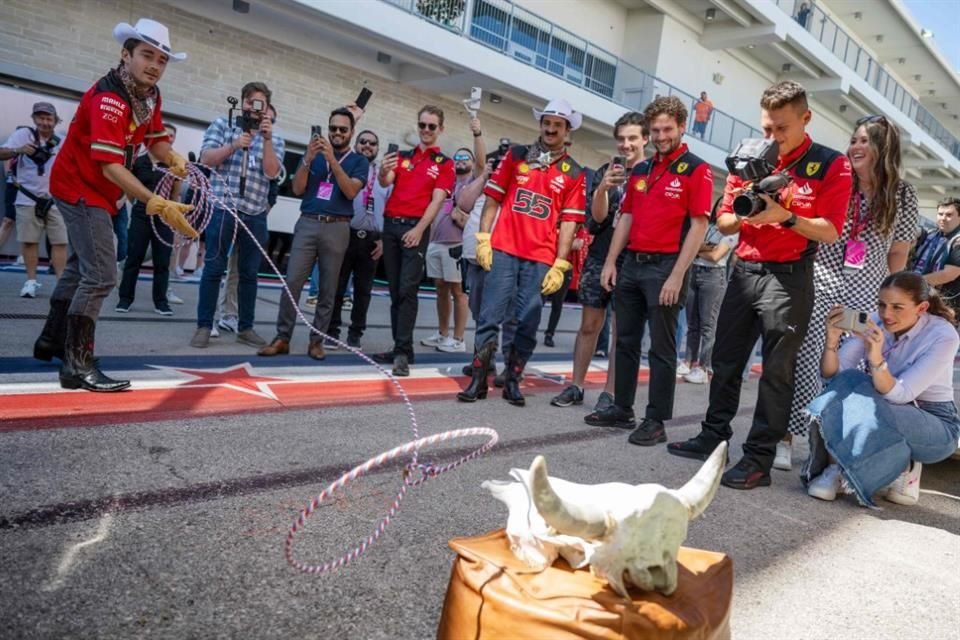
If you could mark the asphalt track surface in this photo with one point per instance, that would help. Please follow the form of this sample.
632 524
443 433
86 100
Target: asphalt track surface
162 512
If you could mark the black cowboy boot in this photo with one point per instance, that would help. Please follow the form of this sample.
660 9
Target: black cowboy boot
79 371
511 380
50 343
477 389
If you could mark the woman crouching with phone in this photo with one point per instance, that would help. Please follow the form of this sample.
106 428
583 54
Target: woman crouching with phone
875 430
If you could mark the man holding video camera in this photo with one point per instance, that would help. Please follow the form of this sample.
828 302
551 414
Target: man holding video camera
247 155
329 178
781 217
35 147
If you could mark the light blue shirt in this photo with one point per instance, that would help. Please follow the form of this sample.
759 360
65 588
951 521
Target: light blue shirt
921 360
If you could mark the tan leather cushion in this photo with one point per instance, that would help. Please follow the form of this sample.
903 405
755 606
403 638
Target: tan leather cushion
494 596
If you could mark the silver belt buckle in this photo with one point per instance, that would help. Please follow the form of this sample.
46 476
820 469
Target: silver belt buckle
361 233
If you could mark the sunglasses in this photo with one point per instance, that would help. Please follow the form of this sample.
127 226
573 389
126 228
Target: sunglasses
368 142
462 157
428 125
335 129
871 120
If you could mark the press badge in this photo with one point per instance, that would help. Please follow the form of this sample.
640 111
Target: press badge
855 255
324 190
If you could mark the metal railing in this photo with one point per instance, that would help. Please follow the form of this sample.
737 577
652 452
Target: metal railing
840 44
528 38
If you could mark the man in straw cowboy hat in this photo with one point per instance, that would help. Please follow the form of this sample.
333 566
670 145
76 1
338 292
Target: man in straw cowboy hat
115 116
539 190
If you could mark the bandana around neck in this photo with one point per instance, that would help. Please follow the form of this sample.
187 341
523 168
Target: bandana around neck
142 107
537 154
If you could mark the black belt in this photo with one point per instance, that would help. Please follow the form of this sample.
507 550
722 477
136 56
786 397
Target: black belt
640 256
795 266
403 220
324 218
365 234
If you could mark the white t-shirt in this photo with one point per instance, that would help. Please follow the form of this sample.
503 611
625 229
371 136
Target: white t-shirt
27 173
472 227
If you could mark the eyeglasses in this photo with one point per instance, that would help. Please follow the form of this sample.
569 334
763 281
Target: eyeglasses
871 120
368 142
462 157
428 125
335 129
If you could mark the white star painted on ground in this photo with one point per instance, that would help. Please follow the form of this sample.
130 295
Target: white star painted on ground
238 377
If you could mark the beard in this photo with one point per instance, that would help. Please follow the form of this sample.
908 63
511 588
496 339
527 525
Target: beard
462 171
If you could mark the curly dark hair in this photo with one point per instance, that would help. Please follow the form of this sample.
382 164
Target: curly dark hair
670 105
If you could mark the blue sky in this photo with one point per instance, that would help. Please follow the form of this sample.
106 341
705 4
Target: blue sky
942 17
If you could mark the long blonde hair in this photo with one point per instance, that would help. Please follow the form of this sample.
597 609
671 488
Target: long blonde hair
884 139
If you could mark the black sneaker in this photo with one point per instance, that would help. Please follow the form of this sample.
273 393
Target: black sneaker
568 397
548 340
612 416
401 367
163 310
123 307
353 341
648 433
745 475
328 343
698 447
383 358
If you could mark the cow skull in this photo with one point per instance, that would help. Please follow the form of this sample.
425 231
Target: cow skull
625 533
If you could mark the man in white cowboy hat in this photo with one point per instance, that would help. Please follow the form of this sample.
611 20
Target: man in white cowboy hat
539 190
115 116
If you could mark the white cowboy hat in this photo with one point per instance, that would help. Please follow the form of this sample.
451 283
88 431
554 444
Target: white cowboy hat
149 31
561 108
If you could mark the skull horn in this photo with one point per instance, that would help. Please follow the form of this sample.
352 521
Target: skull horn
585 521
699 491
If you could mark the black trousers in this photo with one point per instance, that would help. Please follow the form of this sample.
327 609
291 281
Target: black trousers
140 235
404 269
636 302
358 263
556 300
773 302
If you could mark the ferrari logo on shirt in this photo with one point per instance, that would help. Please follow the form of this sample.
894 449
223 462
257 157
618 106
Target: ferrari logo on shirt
405 164
523 167
812 168
682 167
565 167
641 185
133 127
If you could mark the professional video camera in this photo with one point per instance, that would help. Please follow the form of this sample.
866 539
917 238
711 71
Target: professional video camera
501 151
248 121
43 153
755 160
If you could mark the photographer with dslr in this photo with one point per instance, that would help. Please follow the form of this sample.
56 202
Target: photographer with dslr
770 294
329 178
35 149
248 156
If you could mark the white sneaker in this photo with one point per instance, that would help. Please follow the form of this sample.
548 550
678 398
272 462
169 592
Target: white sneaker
451 345
347 303
434 340
906 488
784 457
696 376
682 368
214 332
228 324
29 289
173 298
826 485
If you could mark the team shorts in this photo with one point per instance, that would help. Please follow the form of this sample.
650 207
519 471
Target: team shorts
441 265
30 228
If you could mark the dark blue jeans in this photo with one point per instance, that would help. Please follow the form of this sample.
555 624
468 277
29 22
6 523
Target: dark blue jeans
517 281
218 238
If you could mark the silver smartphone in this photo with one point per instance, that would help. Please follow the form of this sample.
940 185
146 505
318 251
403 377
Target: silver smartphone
853 321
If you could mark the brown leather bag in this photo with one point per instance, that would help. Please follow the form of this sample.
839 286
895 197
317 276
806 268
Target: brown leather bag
494 596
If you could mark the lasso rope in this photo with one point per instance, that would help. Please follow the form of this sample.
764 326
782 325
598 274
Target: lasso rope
205 202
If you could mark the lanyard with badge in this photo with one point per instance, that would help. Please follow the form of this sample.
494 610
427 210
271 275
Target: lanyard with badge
325 187
855 253
650 184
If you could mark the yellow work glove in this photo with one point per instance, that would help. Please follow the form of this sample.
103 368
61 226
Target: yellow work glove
177 164
554 278
484 251
172 213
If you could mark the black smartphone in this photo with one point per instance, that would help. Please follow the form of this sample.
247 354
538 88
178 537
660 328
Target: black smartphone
316 131
392 148
619 161
363 98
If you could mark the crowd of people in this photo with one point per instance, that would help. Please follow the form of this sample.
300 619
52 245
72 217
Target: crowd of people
498 233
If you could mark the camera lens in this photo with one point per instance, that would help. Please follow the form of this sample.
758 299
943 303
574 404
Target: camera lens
862 318
748 204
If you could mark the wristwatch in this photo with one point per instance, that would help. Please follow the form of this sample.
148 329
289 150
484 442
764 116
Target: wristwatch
789 222
880 367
